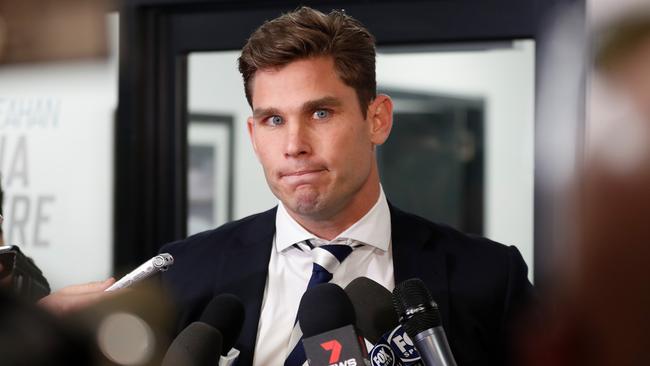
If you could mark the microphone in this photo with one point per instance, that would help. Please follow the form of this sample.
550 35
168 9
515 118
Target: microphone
210 340
159 263
378 323
420 317
225 312
196 345
373 308
326 318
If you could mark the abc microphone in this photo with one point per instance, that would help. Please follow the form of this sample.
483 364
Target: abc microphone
326 318
420 317
378 323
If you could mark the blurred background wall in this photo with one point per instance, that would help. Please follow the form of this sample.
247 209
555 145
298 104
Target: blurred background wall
56 160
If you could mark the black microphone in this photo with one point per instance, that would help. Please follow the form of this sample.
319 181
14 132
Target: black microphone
420 317
378 322
199 344
326 318
225 312
373 308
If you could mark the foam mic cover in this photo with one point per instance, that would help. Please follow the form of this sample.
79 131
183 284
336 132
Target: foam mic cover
324 307
326 317
197 345
225 312
415 307
373 308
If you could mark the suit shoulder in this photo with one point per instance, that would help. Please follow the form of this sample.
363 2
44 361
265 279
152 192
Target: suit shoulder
486 259
453 241
223 234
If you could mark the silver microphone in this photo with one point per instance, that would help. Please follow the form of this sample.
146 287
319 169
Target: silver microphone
420 317
159 263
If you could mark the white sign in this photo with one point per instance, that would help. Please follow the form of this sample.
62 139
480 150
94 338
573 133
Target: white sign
56 162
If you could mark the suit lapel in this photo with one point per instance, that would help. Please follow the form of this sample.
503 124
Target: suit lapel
417 252
247 270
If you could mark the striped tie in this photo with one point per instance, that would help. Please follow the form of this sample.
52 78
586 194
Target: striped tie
326 259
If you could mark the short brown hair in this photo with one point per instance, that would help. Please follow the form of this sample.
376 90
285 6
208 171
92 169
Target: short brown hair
305 33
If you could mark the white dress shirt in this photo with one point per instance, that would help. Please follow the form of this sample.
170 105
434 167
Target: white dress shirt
290 270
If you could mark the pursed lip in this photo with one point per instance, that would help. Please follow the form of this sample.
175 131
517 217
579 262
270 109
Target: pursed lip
298 173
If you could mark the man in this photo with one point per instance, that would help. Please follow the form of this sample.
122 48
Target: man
316 123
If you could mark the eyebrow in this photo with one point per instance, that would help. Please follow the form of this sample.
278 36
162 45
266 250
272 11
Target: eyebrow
260 112
307 106
322 102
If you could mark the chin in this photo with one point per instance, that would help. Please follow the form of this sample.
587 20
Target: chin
306 207
306 203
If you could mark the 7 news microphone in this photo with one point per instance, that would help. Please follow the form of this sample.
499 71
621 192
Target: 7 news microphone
327 319
208 341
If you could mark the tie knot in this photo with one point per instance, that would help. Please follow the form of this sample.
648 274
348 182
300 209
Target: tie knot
327 258
330 256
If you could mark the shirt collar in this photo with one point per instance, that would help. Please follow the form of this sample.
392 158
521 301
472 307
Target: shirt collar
372 229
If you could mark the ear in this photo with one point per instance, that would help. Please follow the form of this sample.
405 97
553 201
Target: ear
250 123
380 116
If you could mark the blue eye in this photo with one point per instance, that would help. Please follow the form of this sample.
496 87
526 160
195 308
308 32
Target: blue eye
321 113
274 120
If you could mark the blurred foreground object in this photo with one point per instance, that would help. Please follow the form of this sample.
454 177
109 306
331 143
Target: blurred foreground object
49 30
31 337
599 313
131 327
623 55
20 274
2 219
127 328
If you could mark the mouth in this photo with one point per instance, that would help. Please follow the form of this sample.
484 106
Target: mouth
299 173
302 176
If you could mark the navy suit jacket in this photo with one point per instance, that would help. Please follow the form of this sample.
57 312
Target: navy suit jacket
479 285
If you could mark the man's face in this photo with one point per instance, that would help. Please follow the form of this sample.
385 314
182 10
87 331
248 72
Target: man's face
311 137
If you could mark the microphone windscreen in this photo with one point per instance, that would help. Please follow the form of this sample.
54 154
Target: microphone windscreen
225 312
197 345
415 307
373 308
323 308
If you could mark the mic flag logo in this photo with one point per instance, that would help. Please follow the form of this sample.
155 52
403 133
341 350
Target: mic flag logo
335 347
383 355
395 348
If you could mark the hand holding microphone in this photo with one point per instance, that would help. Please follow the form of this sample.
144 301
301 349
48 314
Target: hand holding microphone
159 263
76 297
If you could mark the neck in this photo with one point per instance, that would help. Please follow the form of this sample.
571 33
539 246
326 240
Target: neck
331 226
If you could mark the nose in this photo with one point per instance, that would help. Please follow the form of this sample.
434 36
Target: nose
297 140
